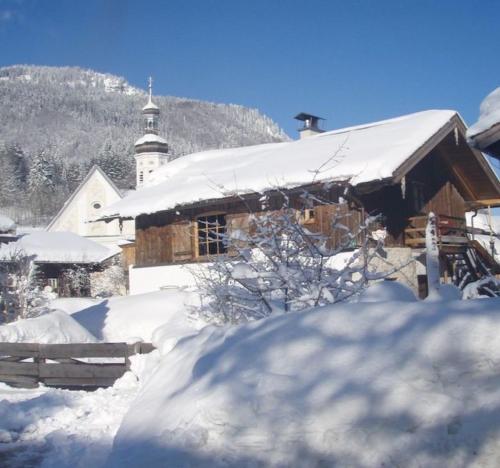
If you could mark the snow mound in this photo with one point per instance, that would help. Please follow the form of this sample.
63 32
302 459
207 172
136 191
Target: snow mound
135 318
446 292
392 384
54 327
386 291
70 305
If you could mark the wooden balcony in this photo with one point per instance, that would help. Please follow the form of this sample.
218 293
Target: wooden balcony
452 232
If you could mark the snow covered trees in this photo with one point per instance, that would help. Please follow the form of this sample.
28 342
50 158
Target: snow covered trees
78 118
278 264
20 293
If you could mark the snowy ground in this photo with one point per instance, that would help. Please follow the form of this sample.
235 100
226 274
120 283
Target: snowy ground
394 384
67 429
387 381
60 428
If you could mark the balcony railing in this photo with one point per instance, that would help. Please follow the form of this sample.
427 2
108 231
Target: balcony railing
452 231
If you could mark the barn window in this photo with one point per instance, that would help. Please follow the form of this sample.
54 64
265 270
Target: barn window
307 216
211 230
53 283
418 196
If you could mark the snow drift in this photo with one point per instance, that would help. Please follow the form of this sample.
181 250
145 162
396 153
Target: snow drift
372 384
53 327
135 318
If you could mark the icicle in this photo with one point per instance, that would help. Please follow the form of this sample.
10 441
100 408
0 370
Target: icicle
457 139
403 187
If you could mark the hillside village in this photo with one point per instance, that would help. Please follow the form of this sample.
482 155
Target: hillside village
211 259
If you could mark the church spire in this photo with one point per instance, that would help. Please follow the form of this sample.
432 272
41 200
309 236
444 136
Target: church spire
150 87
151 150
151 112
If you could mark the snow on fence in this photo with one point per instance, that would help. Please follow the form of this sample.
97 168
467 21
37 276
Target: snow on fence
58 365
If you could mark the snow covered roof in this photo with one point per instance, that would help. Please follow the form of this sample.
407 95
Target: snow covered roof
58 247
150 138
150 105
360 154
6 224
485 133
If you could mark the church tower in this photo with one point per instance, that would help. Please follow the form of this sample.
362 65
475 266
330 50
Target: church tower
151 150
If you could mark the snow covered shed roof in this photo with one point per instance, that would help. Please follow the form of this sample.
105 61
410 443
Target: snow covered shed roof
57 247
485 133
375 152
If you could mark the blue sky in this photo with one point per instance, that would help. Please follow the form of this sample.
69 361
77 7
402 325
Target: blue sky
348 61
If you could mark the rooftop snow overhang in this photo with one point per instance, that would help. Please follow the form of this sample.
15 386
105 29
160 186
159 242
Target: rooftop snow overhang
487 140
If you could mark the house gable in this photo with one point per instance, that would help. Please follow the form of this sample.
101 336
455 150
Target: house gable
95 192
472 174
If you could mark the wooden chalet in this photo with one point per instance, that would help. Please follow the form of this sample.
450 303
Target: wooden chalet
401 169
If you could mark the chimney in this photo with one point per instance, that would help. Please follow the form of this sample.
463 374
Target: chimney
311 125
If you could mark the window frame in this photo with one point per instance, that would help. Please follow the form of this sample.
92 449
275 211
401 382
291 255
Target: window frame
220 248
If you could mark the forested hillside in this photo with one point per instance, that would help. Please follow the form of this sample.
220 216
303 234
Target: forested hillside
55 123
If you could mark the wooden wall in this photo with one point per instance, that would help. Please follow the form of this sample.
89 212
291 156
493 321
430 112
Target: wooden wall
429 186
128 255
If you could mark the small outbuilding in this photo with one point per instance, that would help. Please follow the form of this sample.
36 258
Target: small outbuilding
71 264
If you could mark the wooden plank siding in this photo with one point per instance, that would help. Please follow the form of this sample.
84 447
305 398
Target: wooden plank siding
128 255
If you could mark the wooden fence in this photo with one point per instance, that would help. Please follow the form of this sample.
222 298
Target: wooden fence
58 365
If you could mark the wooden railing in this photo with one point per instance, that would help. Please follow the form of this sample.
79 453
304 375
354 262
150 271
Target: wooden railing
59 365
452 231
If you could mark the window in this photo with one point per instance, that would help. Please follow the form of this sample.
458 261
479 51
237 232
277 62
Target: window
307 216
211 230
141 177
53 283
418 195
96 205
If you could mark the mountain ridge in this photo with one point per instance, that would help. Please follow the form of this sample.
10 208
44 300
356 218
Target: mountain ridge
56 122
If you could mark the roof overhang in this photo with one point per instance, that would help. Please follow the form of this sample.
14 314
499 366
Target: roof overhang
470 168
488 141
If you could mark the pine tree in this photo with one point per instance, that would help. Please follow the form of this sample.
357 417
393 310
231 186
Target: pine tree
42 184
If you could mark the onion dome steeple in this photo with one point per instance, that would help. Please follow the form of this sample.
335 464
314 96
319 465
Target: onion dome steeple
151 150
151 112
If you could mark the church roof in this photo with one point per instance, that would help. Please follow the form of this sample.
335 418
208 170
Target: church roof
150 105
150 138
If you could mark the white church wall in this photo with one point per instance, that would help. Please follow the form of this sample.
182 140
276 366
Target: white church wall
85 205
